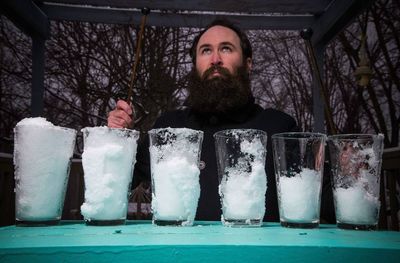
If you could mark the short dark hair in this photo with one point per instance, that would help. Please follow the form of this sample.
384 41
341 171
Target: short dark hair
244 41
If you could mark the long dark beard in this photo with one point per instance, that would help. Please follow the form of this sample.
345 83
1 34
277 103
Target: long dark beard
219 94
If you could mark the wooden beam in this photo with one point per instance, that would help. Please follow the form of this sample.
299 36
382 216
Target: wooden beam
338 15
318 100
26 16
237 6
391 158
168 19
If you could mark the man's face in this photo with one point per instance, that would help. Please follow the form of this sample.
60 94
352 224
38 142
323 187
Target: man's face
219 46
219 83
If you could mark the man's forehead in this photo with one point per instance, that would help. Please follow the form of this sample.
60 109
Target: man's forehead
219 34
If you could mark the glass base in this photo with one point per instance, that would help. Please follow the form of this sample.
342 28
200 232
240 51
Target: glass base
169 222
355 226
242 222
115 222
37 223
299 225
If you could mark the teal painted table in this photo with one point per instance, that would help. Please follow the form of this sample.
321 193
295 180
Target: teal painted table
139 241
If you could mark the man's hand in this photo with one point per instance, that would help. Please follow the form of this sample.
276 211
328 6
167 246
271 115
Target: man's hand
121 116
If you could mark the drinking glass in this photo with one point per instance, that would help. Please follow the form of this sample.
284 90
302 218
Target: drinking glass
242 178
108 158
42 157
299 164
356 161
174 158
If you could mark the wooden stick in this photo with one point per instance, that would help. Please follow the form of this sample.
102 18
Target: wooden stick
145 12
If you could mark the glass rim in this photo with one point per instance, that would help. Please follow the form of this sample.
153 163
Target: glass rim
109 128
69 129
221 133
298 135
154 131
54 127
355 136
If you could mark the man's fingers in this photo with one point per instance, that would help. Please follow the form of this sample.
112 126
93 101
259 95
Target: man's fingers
119 119
121 116
118 123
124 106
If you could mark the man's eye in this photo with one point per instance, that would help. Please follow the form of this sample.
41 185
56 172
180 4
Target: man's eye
205 51
226 49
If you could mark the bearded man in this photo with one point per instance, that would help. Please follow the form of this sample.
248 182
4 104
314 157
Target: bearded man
219 98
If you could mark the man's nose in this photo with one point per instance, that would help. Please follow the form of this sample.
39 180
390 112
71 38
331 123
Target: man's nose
216 59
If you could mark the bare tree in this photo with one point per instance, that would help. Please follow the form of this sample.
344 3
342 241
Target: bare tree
282 77
88 67
375 107
15 76
283 80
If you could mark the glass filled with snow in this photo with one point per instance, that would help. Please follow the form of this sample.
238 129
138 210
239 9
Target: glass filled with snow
241 157
299 164
108 158
42 157
356 161
174 159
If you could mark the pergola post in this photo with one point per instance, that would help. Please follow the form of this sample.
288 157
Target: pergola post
28 17
38 49
318 101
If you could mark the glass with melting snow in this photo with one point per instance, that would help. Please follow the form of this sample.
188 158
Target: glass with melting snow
108 158
299 164
356 165
241 157
174 158
42 156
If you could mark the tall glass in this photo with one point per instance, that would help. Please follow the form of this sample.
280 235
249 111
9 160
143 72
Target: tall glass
299 164
241 157
42 157
174 158
356 161
108 158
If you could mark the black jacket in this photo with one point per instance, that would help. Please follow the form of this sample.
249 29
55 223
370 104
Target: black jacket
252 116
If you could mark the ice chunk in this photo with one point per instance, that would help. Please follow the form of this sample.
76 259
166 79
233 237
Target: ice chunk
177 189
359 203
355 205
243 193
299 196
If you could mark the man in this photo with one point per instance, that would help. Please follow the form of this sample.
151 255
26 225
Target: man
219 98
